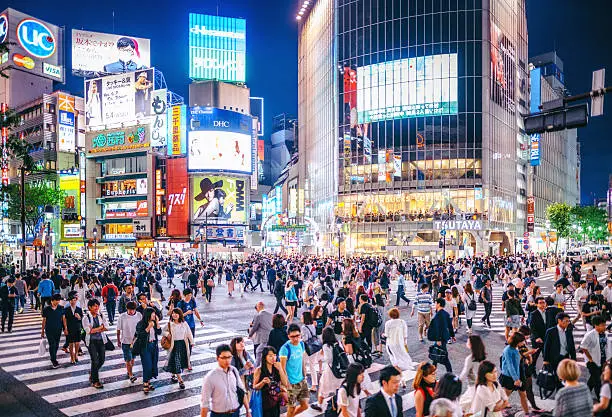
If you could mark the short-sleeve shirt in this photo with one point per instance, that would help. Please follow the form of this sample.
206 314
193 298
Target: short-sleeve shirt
589 308
351 403
337 318
294 367
188 306
54 319
605 391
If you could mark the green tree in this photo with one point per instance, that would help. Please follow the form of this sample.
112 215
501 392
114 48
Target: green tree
559 216
589 223
37 197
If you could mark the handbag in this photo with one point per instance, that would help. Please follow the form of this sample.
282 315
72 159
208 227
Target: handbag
313 344
547 382
240 393
256 404
437 354
166 341
109 345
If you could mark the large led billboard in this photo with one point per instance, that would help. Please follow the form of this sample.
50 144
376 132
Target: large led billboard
410 87
220 200
217 48
220 140
66 133
503 69
95 54
35 45
119 98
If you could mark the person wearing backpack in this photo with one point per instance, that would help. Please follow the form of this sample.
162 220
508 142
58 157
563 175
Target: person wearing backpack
335 364
314 346
109 295
347 397
292 356
369 319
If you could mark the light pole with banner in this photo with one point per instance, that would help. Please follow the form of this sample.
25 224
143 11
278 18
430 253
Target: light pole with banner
95 235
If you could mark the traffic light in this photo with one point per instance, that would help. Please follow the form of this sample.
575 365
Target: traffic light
557 119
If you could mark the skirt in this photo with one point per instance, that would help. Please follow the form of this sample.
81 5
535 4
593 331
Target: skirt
178 358
73 337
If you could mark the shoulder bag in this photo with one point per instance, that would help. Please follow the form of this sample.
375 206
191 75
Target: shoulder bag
166 341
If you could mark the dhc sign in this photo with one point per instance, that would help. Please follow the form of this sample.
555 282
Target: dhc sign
36 38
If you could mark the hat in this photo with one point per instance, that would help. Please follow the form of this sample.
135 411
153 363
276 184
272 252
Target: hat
142 74
207 185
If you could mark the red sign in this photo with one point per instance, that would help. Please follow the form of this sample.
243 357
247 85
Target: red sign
177 197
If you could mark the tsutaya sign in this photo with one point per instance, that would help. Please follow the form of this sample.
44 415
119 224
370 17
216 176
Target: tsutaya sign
458 224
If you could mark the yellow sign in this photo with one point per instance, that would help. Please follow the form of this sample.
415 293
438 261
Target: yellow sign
145 244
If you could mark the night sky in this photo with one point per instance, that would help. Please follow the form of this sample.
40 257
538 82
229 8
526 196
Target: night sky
579 31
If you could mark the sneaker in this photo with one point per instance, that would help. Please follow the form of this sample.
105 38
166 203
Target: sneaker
55 365
316 407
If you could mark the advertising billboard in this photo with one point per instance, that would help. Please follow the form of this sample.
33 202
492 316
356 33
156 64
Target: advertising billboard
217 48
135 137
177 130
257 111
220 140
119 98
177 199
36 46
220 200
503 69
410 87
95 54
126 209
159 120
66 133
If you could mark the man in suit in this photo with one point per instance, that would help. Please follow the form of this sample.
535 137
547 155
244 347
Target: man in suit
387 402
559 342
537 325
551 312
441 330
261 326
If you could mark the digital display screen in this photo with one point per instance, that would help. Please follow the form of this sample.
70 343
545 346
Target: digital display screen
410 87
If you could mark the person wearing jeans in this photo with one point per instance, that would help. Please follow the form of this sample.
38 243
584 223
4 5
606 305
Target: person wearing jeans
487 299
147 331
22 293
95 325
52 326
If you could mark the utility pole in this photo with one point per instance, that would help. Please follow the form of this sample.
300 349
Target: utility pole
23 221
206 238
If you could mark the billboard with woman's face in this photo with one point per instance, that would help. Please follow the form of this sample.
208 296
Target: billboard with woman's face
220 200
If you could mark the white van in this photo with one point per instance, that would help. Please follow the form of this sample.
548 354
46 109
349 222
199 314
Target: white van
574 255
587 254
603 251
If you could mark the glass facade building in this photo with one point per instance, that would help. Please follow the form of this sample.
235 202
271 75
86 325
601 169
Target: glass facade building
427 133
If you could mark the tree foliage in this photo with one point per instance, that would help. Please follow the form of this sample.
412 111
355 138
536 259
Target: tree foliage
589 223
559 216
37 196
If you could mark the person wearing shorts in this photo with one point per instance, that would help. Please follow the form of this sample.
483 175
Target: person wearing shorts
292 360
510 377
126 329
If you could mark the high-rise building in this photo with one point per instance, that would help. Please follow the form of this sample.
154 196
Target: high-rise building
280 147
410 124
554 156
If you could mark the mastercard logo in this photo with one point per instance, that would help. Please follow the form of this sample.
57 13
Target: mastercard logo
23 61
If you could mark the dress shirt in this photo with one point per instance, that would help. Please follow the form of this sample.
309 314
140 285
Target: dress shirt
219 390
391 403
562 342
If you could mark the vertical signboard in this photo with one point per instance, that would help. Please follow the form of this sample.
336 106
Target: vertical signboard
530 214
217 48
254 159
159 127
66 134
534 154
177 130
177 199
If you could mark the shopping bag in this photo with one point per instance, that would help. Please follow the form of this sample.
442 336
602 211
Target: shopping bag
256 403
42 347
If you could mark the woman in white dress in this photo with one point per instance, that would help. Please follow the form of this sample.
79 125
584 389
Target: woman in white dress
328 384
81 290
396 331
489 398
469 299
470 369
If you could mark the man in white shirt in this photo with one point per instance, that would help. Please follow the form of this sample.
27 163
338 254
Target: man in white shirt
591 347
581 295
126 334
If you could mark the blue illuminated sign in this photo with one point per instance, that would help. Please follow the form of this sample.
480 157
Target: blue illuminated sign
535 100
36 38
534 153
217 48
3 28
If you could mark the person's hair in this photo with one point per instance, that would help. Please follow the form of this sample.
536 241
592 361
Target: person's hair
387 373
524 330
353 388
394 313
147 313
264 354
561 316
515 339
328 336
424 287
479 352
484 368
449 386
468 288
537 300
364 298
187 291
131 305
141 295
316 309
93 302
307 317
177 311
549 300
278 321
511 293
56 297
224 347
593 297
175 294
11 280
441 407
568 370
597 320
424 369
441 302
294 328
348 328
125 42
234 351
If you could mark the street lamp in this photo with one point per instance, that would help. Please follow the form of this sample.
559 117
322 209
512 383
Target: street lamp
95 235
201 231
